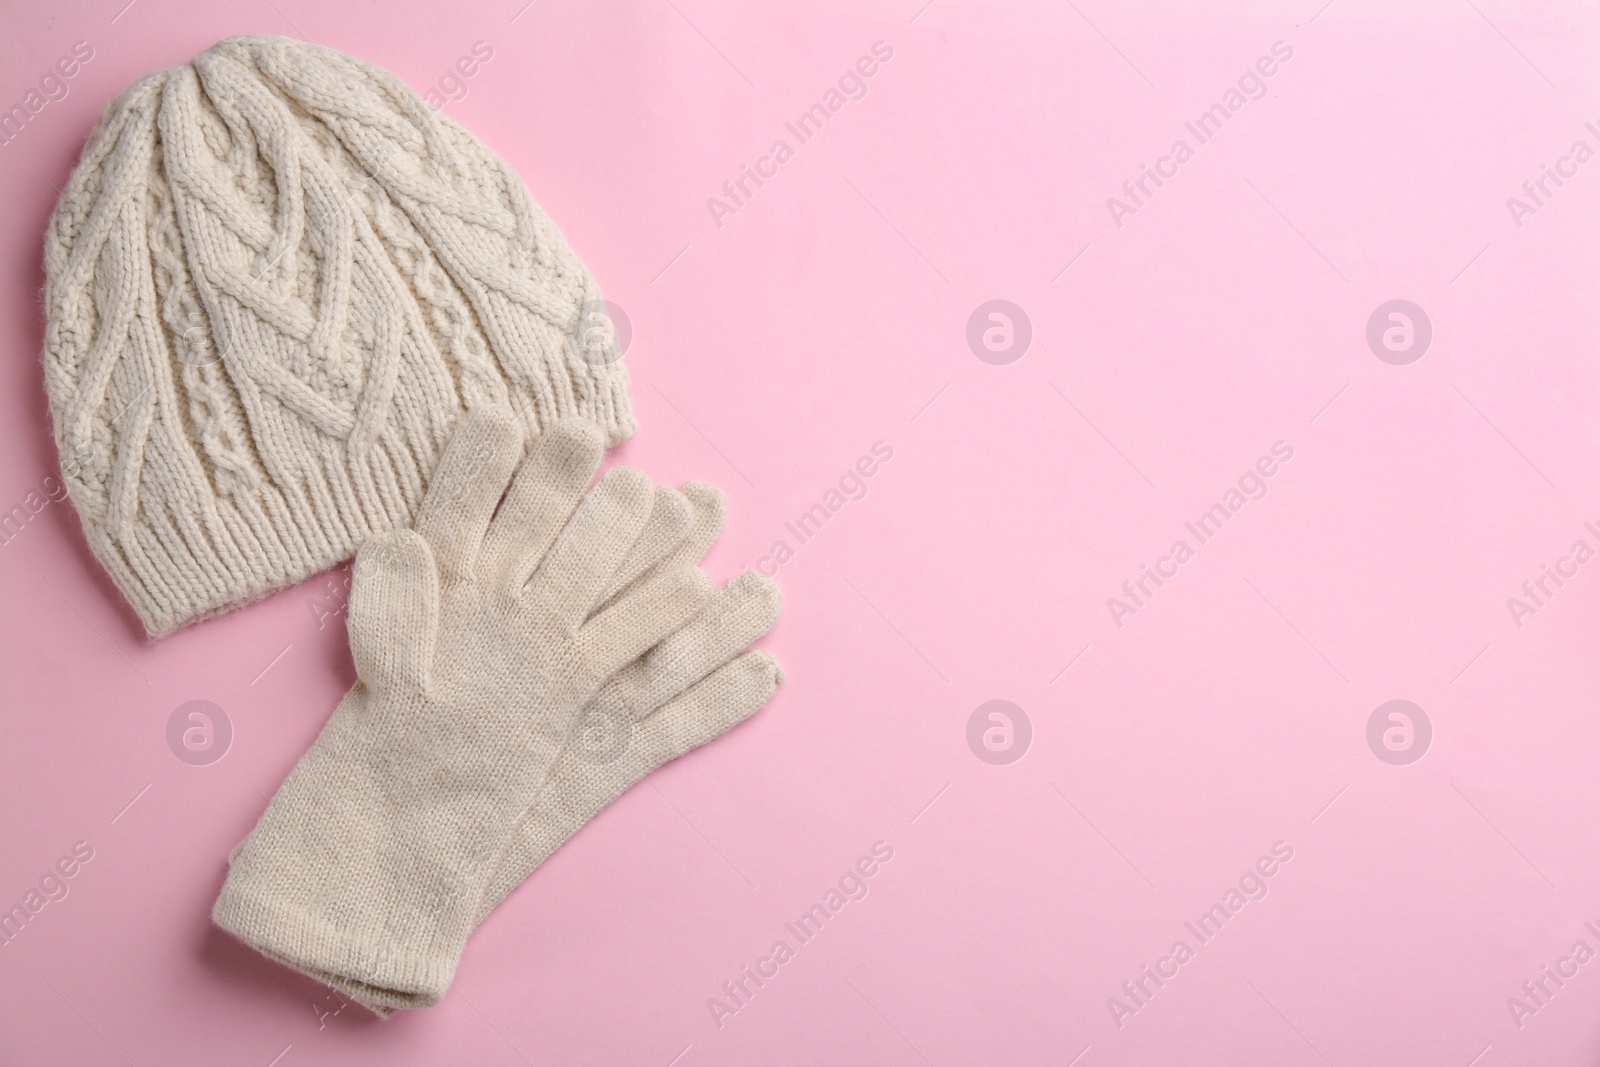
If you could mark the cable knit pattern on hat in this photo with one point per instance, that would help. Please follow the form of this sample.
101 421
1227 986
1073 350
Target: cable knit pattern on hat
275 279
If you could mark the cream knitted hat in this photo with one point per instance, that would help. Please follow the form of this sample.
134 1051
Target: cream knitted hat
274 280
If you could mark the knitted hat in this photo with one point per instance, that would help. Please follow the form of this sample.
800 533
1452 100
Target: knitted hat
274 280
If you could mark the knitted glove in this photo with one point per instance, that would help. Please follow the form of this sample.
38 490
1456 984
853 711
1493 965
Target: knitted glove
685 692
478 647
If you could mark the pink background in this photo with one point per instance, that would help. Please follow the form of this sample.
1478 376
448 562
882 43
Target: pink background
830 313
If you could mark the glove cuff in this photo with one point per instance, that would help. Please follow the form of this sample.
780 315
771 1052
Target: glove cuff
338 881
362 960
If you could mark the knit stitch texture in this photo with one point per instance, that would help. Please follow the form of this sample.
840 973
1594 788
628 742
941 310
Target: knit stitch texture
275 279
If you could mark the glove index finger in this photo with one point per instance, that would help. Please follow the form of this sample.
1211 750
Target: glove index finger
548 486
485 447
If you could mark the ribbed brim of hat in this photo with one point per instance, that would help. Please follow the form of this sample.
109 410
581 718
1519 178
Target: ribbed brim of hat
178 566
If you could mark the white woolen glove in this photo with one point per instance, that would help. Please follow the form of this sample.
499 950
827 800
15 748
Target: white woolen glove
687 691
478 648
